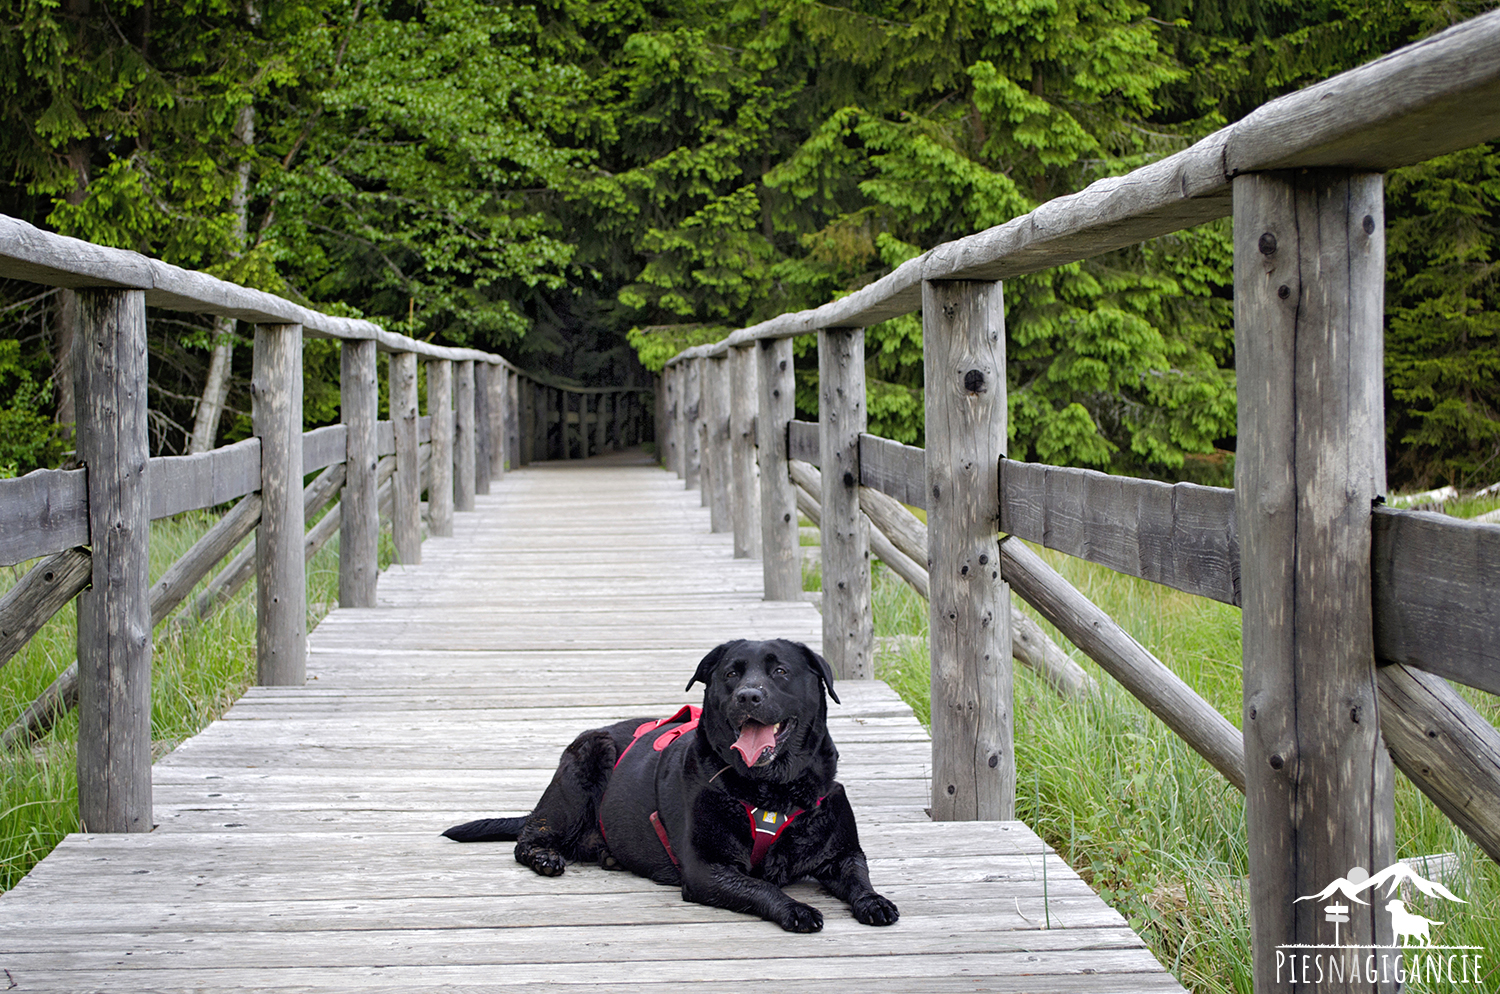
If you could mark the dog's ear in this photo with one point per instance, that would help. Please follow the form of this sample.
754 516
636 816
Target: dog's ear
820 666
707 663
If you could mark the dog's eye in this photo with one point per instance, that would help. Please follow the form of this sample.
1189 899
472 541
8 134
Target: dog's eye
779 670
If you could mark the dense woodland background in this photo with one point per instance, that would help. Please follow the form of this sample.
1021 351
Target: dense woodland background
587 186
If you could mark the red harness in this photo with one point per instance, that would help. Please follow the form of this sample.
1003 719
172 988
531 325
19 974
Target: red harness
766 825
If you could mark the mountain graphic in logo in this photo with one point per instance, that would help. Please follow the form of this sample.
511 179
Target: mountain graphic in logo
1359 880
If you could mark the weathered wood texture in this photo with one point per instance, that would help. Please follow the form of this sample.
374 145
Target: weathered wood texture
848 626
897 538
1309 280
513 454
1083 623
781 560
718 469
114 614
488 440
687 422
746 489
322 447
1437 595
46 511
187 483
398 738
1029 644
440 486
281 580
1181 535
465 444
963 353
802 442
406 515
1445 747
39 595
667 427
893 468
359 404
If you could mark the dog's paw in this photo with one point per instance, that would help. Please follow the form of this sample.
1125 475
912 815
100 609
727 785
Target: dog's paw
873 909
547 862
799 917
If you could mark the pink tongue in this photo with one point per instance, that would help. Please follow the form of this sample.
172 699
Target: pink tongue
754 740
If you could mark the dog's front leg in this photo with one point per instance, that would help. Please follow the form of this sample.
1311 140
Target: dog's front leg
725 886
848 879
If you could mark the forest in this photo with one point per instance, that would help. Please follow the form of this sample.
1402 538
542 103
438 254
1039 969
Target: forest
587 186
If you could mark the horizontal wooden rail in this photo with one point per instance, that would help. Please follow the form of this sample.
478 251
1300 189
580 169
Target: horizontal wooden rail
29 253
1179 535
46 511
1436 578
187 483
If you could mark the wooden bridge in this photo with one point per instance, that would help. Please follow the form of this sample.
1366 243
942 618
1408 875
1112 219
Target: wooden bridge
293 844
297 843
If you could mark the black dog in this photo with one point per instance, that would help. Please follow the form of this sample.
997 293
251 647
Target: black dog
730 803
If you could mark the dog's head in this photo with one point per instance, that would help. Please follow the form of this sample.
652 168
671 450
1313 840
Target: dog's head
1395 905
764 712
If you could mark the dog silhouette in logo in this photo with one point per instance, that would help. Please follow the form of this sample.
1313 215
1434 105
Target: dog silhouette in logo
1409 926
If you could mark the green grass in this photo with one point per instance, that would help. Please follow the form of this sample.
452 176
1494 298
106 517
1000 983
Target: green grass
1140 816
197 670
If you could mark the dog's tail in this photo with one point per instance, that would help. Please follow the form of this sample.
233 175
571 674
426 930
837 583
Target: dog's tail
487 830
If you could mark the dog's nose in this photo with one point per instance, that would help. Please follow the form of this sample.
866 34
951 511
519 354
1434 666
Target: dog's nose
749 696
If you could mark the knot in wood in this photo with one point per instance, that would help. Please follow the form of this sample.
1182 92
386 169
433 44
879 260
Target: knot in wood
1267 244
1283 291
1369 225
974 381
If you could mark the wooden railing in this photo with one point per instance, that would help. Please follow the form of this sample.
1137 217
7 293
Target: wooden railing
91 525
1349 609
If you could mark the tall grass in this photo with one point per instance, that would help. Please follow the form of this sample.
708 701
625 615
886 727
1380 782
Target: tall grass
1139 815
198 669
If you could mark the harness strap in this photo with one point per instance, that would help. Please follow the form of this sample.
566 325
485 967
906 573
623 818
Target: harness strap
686 719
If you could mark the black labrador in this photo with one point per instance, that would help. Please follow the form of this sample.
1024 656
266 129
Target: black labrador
730 802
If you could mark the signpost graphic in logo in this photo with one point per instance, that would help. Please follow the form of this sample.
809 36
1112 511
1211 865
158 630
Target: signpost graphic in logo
1415 953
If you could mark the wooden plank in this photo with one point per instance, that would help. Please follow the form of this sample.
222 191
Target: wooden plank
514 455
39 595
802 442
489 442
46 512
385 438
1179 535
894 469
114 614
1437 595
688 416
359 540
187 483
1309 280
322 447
406 520
281 579
848 628
963 353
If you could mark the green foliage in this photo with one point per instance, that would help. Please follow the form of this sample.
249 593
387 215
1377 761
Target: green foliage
1443 320
28 438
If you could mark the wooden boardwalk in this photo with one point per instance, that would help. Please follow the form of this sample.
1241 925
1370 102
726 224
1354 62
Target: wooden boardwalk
298 846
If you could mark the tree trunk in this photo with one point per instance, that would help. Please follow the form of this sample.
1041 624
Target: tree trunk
216 384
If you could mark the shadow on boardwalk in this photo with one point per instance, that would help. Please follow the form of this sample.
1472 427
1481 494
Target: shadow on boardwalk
298 848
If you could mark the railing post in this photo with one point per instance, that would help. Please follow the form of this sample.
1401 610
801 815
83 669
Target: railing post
440 482
359 525
114 614
406 491
487 440
963 350
1309 264
781 555
281 575
528 418
464 425
563 411
848 628
688 422
668 431
717 468
601 427
513 452
746 508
